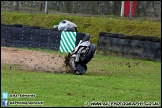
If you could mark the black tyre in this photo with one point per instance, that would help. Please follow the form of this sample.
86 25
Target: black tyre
117 35
80 69
156 39
37 27
89 55
149 38
142 38
103 33
108 35
128 37
135 37
18 25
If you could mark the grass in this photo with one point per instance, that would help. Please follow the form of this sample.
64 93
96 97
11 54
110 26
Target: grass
91 24
108 79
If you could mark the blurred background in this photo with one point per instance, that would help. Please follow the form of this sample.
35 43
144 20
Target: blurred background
149 9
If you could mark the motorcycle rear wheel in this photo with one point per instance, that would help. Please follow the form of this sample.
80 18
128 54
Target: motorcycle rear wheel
80 69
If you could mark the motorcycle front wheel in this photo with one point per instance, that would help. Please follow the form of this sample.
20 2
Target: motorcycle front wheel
89 55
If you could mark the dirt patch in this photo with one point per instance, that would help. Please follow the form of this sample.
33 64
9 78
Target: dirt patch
34 60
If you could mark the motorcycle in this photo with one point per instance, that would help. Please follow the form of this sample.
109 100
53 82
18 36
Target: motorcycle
82 54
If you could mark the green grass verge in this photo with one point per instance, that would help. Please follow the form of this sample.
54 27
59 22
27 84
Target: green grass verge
107 79
90 24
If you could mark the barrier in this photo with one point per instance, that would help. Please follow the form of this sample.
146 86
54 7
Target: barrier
143 47
19 35
148 47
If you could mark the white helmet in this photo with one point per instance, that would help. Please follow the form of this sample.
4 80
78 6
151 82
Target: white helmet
66 25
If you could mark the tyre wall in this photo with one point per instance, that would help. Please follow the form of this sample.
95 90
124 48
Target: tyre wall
143 47
18 35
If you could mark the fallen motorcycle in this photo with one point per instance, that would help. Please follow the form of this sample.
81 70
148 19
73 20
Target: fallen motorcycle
80 56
